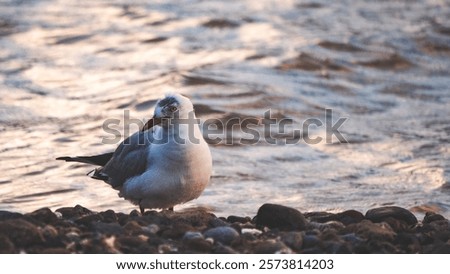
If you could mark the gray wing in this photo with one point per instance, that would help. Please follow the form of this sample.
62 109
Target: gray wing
129 160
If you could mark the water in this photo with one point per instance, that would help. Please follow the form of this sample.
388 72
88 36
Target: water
67 66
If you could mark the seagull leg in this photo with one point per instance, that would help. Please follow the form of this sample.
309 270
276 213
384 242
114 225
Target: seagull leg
141 207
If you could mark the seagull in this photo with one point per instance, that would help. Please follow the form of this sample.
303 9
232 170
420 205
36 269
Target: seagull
165 164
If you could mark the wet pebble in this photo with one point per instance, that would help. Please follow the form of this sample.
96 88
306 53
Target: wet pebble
352 239
328 225
195 241
218 222
223 234
43 215
252 231
275 229
6 246
271 247
73 212
134 245
87 220
191 235
21 232
177 230
6 215
336 247
281 217
237 219
51 236
132 228
431 217
151 228
293 240
350 217
223 249
373 231
311 241
108 228
108 216
380 214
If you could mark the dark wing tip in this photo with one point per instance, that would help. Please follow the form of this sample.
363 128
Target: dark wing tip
99 160
65 158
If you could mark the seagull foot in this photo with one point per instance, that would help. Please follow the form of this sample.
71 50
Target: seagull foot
141 208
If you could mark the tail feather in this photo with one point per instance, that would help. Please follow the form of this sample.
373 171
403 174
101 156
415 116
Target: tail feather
99 160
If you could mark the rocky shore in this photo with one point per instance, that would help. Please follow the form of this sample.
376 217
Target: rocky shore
275 229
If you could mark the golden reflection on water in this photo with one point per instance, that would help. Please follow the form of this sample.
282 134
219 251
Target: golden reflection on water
67 66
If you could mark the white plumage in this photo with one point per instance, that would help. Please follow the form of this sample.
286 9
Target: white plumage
167 163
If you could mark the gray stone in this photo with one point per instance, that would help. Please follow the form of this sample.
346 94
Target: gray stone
108 228
281 217
21 232
222 234
432 217
44 215
190 235
271 247
293 239
238 219
217 222
380 214
6 215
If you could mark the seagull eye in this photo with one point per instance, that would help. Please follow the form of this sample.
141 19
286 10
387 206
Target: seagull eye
173 108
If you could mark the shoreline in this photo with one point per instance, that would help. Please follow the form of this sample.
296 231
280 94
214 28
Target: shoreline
274 229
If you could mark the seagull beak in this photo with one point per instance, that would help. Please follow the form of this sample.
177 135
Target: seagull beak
151 123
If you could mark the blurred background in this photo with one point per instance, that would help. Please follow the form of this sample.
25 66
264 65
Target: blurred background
67 66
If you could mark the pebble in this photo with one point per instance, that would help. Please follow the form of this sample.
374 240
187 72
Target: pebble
379 214
73 236
51 236
271 247
237 219
350 217
87 220
151 228
43 215
108 216
431 217
190 235
328 225
6 246
352 239
223 249
194 240
275 229
133 245
336 247
21 233
73 212
320 217
293 240
252 231
281 217
177 230
218 222
6 215
311 241
108 228
133 228
373 231
222 234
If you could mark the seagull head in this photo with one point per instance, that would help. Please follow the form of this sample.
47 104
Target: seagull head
173 106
